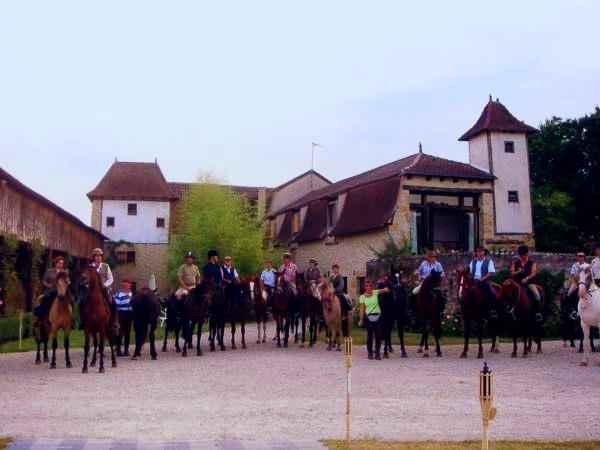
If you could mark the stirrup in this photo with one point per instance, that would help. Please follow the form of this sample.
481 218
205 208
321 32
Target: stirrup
493 314
539 317
574 315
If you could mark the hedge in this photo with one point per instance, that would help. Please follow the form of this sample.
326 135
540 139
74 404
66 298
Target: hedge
9 328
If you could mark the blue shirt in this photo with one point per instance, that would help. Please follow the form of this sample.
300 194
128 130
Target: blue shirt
122 301
268 277
425 269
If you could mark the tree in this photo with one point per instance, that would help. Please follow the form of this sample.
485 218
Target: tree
565 174
212 216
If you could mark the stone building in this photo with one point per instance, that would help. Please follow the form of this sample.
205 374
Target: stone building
420 202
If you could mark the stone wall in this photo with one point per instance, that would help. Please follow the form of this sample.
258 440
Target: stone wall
554 262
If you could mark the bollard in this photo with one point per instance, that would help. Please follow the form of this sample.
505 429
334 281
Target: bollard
486 397
348 354
20 330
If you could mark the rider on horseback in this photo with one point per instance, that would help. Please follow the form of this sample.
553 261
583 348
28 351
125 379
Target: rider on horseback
211 270
524 271
312 274
231 280
424 270
482 268
288 271
573 285
188 276
106 279
596 264
49 282
268 278
339 285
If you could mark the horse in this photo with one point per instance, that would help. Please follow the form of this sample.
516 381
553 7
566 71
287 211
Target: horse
60 317
332 313
428 312
294 308
174 321
41 329
239 311
474 305
217 319
146 309
259 297
589 306
281 311
517 305
309 299
571 323
393 312
195 309
96 319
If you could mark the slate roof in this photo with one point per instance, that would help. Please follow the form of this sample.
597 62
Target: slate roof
133 180
315 222
285 232
496 117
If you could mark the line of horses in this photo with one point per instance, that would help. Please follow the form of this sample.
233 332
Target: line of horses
315 307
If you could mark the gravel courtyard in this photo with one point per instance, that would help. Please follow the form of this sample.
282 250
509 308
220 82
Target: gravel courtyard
265 393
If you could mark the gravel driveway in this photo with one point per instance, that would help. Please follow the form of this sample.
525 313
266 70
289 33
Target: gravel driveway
265 393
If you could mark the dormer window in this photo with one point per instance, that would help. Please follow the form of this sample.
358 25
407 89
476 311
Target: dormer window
295 223
509 147
331 215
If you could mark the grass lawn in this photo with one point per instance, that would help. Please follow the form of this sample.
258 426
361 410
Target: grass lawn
468 445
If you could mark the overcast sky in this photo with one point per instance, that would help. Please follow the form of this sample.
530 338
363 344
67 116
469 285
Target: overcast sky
242 89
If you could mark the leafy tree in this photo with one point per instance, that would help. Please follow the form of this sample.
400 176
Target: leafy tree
565 174
212 216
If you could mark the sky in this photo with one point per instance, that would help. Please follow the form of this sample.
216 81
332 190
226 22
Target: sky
242 89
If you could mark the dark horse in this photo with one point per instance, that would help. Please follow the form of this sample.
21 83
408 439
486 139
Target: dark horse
310 309
393 312
518 307
475 308
218 318
429 312
96 318
259 306
239 310
281 312
195 310
146 309
174 321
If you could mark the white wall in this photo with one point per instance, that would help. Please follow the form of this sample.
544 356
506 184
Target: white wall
294 191
478 152
512 172
140 228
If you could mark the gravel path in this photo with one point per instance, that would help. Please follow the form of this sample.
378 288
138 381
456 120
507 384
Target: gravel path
265 393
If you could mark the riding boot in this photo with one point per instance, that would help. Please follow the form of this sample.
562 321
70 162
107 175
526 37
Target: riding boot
537 307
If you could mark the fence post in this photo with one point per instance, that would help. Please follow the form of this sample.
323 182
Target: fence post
348 354
20 329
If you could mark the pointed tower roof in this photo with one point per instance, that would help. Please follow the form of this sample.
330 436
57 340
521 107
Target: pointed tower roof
496 117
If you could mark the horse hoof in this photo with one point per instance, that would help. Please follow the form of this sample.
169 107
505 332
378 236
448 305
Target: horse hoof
339 349
425 355
278 345
114 365
177 350
53 366
404 355
184 355
302 346
153 357
244 347
38 361
539 351
93 364
496 350
438 354
222 348
391 350
420 350
233 347
583 363
385 355
463 355
84 370
525 355
212 349
198 353
328 349
164 349
513 355
564 345
258 342
46 359
69 365
263 341
285 345
134 358
101 370
479 355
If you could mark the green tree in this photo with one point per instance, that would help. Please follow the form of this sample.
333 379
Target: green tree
212 216
565 174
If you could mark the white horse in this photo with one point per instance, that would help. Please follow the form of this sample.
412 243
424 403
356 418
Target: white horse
589 306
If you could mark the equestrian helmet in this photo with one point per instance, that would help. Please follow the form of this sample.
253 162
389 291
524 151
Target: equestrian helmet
97 251
314 261
287 255
212 253
189 255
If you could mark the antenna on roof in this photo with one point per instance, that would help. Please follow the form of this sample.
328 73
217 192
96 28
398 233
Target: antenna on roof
420 148
497 100
490 97
115 159
155 160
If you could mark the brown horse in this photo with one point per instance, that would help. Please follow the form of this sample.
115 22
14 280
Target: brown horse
60 317
428 312
474 304
96 319
259 299
518 307
332 313
195 311
239 311
146 309
310 309
281 312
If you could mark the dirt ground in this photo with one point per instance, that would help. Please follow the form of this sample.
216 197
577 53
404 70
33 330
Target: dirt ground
269 393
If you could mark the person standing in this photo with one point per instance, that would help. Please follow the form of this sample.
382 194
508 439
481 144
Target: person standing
122 301
370 316
482 268
188 276
288 272
524 271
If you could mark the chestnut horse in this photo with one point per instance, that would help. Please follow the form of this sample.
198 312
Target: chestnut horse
428 312
332 313
195 310
309 299
259 299
517 305
474 304
146 309
281 311
96 318
60 317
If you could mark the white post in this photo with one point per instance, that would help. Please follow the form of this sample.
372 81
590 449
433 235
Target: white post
20 329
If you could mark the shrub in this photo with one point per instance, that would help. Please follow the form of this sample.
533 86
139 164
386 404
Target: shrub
9 327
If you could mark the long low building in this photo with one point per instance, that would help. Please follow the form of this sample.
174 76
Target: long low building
31 217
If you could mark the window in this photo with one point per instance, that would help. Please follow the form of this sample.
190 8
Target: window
160 222
131 257
513 197
110 221
295 222
132 209
509 147
331 216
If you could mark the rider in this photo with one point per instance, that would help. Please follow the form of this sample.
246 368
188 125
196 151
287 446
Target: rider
482 268
268 278
424 270
574 281
106 279
312 274
231 278
596 264
122 301
188 276
211 270
288 271
339 285
524 271
49 283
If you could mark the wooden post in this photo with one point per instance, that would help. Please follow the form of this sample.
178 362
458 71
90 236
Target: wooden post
486 397
348 354
20 329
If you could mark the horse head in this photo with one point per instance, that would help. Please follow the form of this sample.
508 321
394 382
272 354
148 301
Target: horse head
464 281
585 280
90 277
62 284
509 294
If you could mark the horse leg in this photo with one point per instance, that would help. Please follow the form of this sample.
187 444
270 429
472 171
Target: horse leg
222 335
94 355
184 332
152 337
111 344
586 336
243 329
525 345
45 334
286 328
211 334
424 339
101 351
198 338
140 337
264 339
437 334
233 346
467 323
127 332
401 337
296 325
54 346
514 336
338 339
303 332
164 346
258 330
86 351
480 337
278 331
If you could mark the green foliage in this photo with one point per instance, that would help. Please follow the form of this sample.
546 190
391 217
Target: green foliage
37 261
9 327
14 292
391 249
565 169
213 216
